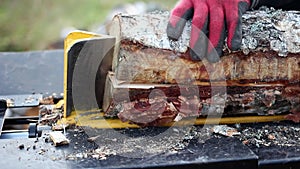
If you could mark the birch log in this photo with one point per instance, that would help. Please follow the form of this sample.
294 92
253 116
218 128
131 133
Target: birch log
262 78
270 50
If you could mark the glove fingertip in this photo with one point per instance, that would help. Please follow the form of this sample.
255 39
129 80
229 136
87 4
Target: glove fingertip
235 43
197 56
214 56
172 32
175 26
194 56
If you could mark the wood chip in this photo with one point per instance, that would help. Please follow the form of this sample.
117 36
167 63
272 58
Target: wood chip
58 138
225 130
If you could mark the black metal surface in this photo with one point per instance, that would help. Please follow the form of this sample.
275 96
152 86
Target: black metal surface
14 135
3 107
214 153
21 120
284 156
286 163
217 152
32 130
31 72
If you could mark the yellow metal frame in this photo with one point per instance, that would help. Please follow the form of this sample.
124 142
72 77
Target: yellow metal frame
69 41
96 120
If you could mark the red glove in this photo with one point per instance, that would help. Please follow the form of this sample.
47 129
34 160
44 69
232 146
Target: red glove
209 17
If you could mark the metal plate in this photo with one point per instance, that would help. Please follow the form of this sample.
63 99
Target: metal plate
219 152
30 100
31 72
87 61
216 151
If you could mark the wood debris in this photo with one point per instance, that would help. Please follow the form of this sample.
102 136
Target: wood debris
49 114
225 130
58 138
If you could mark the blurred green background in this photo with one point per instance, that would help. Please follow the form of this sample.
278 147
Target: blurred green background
34 24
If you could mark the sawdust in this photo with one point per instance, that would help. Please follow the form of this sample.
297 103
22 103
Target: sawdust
271 135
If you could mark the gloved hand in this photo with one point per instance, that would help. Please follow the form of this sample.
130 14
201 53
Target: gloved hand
209 18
